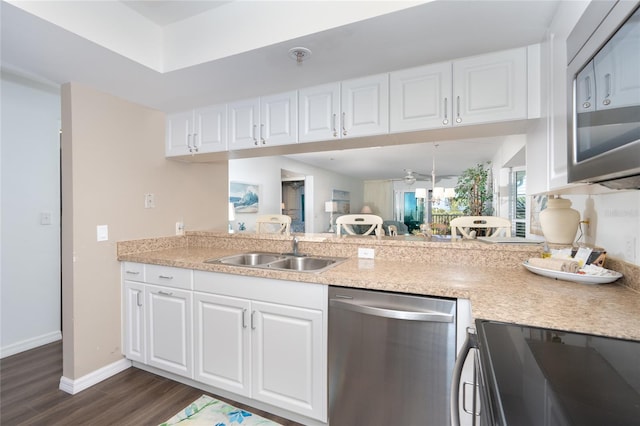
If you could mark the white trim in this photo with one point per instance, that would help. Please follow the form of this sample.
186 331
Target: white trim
74 386
31 343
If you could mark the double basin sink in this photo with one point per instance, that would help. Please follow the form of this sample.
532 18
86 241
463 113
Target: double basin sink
281 262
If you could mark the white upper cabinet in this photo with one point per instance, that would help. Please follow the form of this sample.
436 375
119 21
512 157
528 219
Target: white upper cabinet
490 87
267 121
365 106
199 131
421 98
319 110
480 89
353 108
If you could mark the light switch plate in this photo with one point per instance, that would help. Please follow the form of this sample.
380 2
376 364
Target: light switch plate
103 232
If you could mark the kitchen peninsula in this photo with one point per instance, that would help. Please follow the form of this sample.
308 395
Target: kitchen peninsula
490 276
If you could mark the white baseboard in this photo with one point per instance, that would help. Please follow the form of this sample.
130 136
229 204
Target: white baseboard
74 386
31 343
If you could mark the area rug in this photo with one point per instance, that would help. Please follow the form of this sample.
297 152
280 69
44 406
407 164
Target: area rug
207 411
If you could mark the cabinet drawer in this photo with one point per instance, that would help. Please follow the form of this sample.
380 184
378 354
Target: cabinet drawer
133 271
169 276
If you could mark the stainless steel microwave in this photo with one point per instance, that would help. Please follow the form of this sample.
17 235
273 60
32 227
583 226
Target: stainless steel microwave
603 51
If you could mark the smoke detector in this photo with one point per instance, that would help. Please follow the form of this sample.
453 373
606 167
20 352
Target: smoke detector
299 54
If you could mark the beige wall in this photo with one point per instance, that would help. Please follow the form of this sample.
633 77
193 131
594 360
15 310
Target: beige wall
113 153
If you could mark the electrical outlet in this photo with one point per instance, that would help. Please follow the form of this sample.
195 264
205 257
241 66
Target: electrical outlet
630 249
366 253
179 228
149 201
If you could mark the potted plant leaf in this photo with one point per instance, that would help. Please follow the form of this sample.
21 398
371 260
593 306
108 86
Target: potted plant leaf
474 190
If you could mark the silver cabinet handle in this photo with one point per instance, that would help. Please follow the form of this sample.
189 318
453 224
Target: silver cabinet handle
344 120
244 314
262 134
335 130
165 277
138 299
165 293
607 84
253 324
255 140
427 316
195 142
446 116
132 272
587 82
458 119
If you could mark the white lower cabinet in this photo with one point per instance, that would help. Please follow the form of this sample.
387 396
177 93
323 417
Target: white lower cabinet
223 342
169 344
260 338
287 371
134 330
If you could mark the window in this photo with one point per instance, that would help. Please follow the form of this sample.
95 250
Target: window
518 202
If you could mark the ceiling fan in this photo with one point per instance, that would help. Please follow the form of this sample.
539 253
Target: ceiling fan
410 177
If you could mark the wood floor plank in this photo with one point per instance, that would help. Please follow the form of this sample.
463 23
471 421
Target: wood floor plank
30 395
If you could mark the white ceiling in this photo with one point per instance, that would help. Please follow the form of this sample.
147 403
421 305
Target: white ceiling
431 32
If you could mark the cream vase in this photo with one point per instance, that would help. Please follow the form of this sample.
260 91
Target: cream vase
559 221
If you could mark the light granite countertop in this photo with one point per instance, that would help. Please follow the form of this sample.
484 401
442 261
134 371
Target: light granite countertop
502 290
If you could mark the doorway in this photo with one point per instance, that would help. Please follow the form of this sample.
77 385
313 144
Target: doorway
293 202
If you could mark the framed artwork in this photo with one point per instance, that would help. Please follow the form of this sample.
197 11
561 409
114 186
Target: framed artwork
245 197
343 201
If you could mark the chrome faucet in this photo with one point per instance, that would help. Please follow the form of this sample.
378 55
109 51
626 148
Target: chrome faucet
295 246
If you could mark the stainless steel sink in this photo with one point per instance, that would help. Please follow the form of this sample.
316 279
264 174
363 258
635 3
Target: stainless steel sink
247 259
283 262
305 264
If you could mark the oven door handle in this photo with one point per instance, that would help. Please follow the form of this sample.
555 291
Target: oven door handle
427 316
470 342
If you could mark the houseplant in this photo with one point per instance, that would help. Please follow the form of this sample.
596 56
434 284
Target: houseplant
473 190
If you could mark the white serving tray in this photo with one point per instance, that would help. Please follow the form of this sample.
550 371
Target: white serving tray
579 278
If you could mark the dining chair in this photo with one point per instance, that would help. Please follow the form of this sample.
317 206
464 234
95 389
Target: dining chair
347 222
273 224
494 226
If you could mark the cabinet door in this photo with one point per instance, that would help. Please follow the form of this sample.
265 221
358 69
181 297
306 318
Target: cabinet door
319 107
279 119
365 106
490 87
178 138
133 327
210 129
222 342
287 358
243 119
169 330
420 98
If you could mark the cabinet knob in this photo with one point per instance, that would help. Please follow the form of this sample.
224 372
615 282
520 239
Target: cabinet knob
586 105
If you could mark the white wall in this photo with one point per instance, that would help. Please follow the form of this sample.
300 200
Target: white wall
614 222
30 253
266 171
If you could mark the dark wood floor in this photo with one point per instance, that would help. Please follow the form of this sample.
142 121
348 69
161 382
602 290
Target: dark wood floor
29 395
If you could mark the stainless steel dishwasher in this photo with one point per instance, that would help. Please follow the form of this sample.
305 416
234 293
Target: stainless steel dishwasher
391 358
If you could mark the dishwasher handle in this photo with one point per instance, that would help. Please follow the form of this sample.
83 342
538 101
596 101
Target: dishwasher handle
427 316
